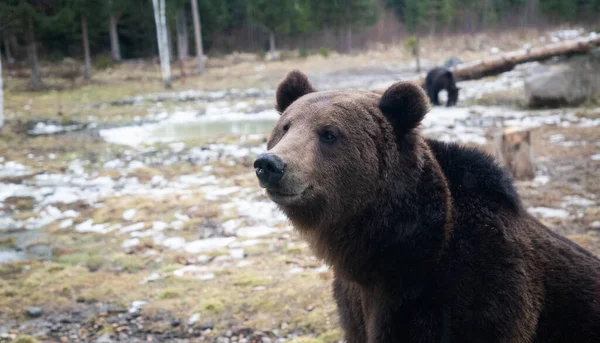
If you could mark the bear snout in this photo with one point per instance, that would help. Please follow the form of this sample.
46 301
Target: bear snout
270 169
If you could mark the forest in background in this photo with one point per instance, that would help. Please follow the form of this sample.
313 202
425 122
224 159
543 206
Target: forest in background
112 30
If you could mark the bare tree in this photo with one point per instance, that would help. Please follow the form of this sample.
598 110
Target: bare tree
1 96
183 51
162 40
272 47
9 57
35 82
115 10
115 49
87 69
198 36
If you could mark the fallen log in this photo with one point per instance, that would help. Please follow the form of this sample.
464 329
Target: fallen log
499 64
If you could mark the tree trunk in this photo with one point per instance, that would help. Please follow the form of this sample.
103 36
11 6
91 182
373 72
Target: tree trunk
272 47
170 43
182 36
418 54
433 26
1 96
162 41
9 57
35 82
87 67
198 36
115 48
349 38
513 150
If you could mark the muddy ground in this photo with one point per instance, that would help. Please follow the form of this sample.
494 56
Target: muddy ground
133 215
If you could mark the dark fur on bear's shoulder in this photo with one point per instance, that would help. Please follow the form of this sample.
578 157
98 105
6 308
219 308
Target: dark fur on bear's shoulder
428 241
439 79
474 174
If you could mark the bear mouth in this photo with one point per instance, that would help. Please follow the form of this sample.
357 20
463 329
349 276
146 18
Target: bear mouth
284 198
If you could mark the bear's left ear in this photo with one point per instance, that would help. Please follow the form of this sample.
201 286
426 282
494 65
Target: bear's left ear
294 86
404 105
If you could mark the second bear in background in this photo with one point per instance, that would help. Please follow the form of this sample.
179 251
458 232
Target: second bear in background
439 79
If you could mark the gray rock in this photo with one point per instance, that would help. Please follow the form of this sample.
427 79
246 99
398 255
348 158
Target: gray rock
222 340
34 312
266 340
452 62
567 83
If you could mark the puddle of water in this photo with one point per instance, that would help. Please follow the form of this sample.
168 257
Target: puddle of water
7 256
182 131
169 131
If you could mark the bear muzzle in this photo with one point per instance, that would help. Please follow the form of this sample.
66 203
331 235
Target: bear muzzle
270 169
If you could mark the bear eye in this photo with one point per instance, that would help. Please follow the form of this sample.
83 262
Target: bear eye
286 127
327 137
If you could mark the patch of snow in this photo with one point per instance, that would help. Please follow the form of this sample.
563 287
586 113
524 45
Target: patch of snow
198 179
133 165
243 263
207 276
136 306
151 278
595 157
132 227
557 138
193 319
177 147
237 253
296 270
541 179
66 223
181 217
13 169
174 243
203 245
322 269
203 258
50 129
159 226
129 214
246 243
557 36
130 243
191 269
575 200
89 226
547 212
255 231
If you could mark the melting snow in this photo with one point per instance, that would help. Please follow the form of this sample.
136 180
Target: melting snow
546 212
208 244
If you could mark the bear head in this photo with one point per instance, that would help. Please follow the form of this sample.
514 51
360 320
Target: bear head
333 152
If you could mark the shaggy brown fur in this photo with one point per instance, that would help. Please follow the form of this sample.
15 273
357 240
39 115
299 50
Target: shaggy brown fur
428 241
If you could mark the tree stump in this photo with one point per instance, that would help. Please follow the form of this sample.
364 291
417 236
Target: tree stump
513 150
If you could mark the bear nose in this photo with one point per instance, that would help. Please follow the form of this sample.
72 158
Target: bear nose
269 169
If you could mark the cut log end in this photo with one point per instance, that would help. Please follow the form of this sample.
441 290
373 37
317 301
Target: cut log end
514 151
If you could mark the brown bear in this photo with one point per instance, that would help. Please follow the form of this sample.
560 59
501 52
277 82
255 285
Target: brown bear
428 241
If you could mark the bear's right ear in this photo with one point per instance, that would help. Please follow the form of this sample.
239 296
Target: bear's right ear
294 86
404 105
